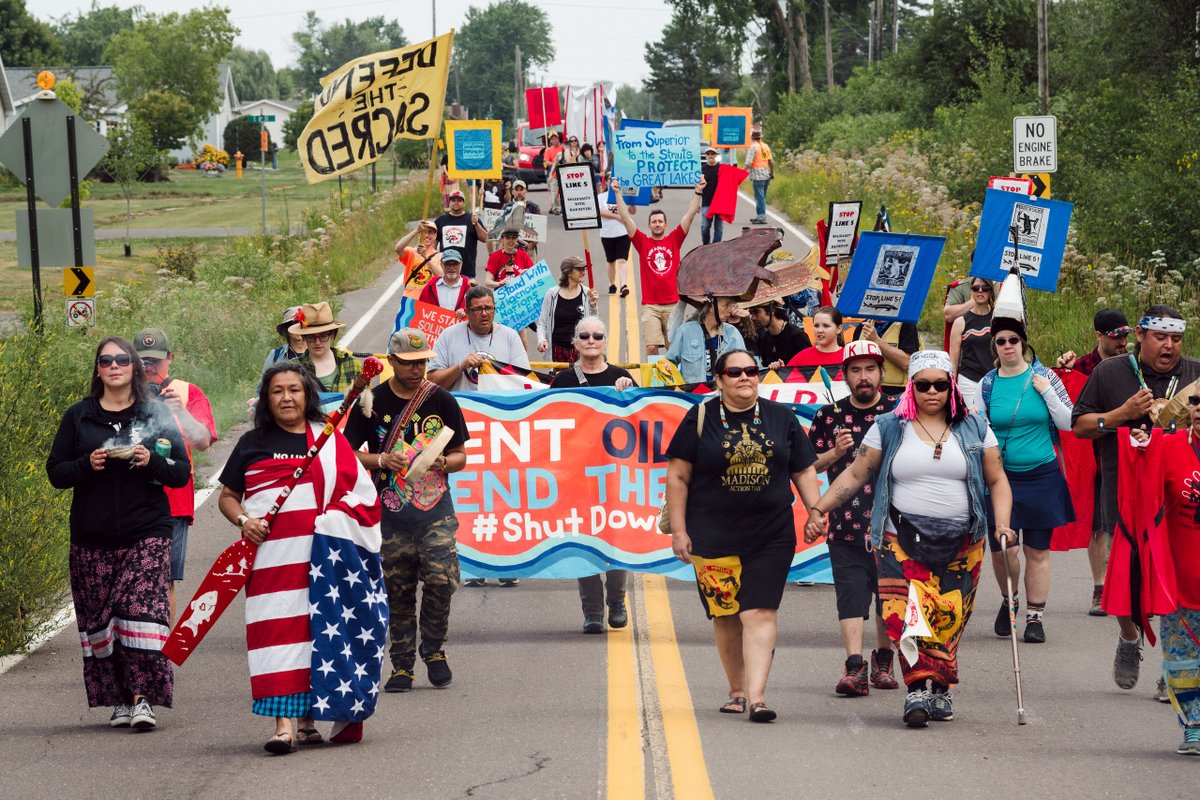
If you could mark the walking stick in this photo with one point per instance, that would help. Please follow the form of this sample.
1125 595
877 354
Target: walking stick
1012 629
231 570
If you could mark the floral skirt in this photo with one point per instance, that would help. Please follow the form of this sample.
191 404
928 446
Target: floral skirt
121 608
1180 635
925 610
564 354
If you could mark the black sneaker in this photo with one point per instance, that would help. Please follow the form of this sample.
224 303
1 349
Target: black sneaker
618 617
612 288
593 623
473 582
1034 632
1003 625
439 670
917 708
401 681
510 582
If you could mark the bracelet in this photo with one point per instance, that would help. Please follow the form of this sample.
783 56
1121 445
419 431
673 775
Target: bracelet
698 194
241 519
380 460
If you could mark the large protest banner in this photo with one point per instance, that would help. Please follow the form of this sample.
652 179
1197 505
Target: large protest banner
519 300
369 102
568 482
1041 238
473 149
890 276
425 317
657 156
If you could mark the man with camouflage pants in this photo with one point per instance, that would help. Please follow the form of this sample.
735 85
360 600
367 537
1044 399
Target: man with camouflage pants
419 526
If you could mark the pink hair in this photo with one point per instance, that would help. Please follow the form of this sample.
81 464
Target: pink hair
906 408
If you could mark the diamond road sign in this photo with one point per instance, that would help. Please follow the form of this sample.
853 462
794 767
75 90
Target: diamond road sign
48 126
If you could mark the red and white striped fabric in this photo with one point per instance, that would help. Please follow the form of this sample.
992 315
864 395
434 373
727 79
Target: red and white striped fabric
136 634
335 493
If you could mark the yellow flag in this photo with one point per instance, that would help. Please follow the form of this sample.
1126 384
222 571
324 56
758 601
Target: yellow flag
369 102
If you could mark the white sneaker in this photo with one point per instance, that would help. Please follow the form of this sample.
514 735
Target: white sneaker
121 717
143 716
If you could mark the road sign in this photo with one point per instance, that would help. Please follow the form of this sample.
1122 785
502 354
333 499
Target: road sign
1035 144
79 281
48 122
1041 184
55 246
261 118
81 312
1022 185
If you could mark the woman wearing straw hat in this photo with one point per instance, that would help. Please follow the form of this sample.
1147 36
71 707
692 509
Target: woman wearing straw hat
334 367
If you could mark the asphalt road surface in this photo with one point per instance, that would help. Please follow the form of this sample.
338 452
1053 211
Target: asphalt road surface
538 710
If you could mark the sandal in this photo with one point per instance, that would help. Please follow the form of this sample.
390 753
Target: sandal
760 713
280 744
734 705
309 736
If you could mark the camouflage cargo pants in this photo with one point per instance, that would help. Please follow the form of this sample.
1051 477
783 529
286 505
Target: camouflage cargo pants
421 548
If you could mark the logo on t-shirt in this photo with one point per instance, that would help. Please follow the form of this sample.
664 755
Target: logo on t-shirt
454 236
660 260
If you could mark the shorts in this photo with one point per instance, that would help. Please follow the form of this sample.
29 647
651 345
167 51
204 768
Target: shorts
179 537
855 580
654 319
729 585
1033 538
616 248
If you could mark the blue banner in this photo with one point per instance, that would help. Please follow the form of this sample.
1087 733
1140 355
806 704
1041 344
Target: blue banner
1041 238
519 300
890 276
657 156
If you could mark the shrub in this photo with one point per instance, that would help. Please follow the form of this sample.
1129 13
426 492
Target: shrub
242 134
178 260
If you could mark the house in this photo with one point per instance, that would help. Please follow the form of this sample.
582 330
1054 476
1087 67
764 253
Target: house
279 109
8 111
213 128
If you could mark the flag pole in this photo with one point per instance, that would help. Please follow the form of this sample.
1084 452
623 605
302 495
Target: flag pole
433 157
587 258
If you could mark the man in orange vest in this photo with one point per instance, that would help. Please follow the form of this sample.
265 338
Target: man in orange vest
761 165
194 416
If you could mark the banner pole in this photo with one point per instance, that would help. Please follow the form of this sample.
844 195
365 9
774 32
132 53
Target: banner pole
587 257
433 157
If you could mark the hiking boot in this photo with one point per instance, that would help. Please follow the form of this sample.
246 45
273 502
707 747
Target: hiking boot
917 708
593 623
510 582
1034 632
882 676
854 679
401 681
1127 663
1191 741
438 669
143 716
941 706
1160 691
1003 626
122 716
618 616
1097 596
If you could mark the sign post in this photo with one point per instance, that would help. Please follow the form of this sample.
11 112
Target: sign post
1035 144
580 208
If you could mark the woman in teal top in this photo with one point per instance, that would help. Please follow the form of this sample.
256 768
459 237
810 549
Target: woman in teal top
1027 405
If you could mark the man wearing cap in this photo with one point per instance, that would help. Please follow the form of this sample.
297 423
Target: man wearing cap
508 261
462 348
419 526
461 231
896 341
194 417
659 258
1129 392
761 165
836 433
519 192
711 229
450 290
422 262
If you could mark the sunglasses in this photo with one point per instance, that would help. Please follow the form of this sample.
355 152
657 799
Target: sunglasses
121 360
151 362
482 310
981 289
1003 342
586 335
1194 400
737 372
318 337
938 386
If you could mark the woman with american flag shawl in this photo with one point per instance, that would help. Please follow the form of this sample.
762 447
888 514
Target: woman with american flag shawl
316 606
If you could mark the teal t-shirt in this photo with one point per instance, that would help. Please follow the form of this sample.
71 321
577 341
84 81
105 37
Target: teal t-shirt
1025 441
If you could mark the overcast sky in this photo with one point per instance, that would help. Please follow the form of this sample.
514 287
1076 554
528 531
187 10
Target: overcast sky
594 39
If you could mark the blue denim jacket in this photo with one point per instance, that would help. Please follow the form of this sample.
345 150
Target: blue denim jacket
688 346
970 434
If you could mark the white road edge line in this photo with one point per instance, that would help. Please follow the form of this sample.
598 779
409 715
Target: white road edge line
792 229
65 615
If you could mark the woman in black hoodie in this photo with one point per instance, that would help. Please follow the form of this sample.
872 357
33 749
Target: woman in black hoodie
106 451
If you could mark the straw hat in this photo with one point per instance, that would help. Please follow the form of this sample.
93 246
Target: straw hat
316 318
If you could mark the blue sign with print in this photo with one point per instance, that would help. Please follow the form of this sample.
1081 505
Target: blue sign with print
890 275
473 149
635 196
1041 227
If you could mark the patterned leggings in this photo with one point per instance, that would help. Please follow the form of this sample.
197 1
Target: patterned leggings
1181 663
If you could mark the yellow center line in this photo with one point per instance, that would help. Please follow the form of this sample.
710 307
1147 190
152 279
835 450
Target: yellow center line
625 777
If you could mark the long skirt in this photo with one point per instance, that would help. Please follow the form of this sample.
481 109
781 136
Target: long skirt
122 611
942 601
1181 662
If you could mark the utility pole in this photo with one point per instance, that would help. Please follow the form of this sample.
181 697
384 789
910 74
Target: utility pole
517 87
1043 40
434 18
895 26
828 50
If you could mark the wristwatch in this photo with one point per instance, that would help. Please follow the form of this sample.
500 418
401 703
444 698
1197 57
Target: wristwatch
241 519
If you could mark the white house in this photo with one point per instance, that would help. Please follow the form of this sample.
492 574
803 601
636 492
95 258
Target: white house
213 128
279 109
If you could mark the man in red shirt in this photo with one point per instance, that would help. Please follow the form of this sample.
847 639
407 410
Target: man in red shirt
658 255
194 416
508 261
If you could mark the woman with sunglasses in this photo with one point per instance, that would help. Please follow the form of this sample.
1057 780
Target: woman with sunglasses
697 344
334 368
562 309
934 464
1027 405
971 340
117 448
827 351
734 460
592 369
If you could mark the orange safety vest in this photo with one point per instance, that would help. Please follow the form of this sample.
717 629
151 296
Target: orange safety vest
762 157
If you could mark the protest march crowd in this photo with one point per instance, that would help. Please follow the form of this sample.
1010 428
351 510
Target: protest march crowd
931 456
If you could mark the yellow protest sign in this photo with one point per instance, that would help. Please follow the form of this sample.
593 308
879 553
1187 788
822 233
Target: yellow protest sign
369 102
473 149
710 99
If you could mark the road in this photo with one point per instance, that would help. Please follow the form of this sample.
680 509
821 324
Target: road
537 710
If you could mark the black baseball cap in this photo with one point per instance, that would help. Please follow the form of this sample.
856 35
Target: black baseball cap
1111 322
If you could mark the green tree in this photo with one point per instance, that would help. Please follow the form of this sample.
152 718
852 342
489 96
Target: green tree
24 40
689 57
131 157
289 86
242 134
175 55
321 50
70 93
634 102
294 126
485 54
85 36
254 76
168 118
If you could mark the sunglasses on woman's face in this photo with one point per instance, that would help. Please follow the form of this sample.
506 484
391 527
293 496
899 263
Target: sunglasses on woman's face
938 386
1003 342
737 372
586 335
121 360
1194 400
981 289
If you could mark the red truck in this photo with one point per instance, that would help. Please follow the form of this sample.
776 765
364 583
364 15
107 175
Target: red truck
524 159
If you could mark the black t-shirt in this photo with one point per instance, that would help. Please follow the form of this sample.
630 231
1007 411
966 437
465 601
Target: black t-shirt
459 233
783 345
567 314
439 410
740 495
710 173
567 379
260 445
849 522
975 359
